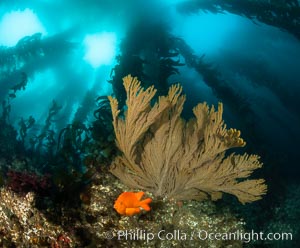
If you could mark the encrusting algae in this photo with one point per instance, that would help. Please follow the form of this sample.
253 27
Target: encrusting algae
167 218
97 224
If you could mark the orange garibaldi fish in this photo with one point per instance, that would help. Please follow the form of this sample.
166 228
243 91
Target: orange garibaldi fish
130 203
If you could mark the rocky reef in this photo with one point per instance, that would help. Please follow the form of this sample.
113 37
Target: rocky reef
95 223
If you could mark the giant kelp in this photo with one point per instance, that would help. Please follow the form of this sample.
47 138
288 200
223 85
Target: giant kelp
282 14
31 54
151 56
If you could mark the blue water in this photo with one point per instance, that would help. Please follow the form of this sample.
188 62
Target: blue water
69 49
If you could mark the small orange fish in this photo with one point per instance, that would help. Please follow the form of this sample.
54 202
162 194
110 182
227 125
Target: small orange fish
129 203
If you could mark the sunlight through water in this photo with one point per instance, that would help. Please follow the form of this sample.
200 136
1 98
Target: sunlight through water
15 25
100 49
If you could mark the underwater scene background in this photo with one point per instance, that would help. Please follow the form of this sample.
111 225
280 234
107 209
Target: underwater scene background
81 169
